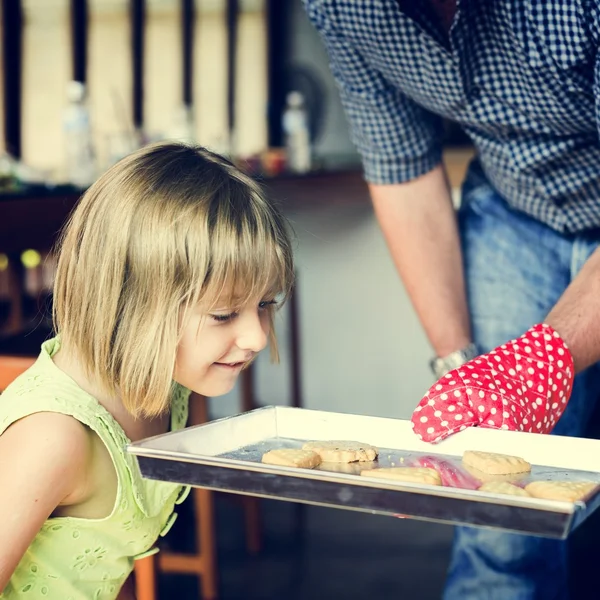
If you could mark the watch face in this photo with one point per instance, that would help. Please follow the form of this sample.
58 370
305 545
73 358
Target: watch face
441 366
438 367
456 360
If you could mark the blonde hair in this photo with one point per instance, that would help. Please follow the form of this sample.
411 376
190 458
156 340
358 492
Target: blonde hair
165 228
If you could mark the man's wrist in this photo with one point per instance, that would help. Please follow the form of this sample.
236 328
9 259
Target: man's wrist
440 365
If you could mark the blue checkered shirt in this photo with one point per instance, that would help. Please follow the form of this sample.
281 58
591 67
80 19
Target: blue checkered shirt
522 77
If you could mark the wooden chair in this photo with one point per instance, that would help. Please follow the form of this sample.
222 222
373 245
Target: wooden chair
11 367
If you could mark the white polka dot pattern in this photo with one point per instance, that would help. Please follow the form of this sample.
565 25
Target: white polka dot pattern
523 385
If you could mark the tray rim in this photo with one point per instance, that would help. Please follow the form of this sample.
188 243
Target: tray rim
568 521
141 448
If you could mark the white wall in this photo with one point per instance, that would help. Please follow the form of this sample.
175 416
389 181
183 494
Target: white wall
305 50
363 349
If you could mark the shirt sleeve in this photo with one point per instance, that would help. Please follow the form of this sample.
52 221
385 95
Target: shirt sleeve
397 139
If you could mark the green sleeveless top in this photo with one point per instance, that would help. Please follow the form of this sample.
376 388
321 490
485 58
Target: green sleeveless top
89 559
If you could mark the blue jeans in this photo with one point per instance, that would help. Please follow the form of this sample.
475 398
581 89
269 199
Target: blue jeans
516 270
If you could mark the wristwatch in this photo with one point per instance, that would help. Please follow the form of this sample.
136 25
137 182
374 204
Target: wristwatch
442 365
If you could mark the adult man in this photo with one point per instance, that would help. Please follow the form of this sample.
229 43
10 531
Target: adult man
523 80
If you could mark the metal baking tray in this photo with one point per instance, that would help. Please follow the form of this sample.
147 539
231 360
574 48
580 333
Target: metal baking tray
225 455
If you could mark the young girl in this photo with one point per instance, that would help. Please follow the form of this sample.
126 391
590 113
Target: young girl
169 271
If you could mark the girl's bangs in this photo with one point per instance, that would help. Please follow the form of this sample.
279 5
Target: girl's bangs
250 266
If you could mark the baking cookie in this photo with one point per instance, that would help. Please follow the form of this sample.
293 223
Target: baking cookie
342 451
353 468
495 464
566 491
292 457
486 477
502 487
408 474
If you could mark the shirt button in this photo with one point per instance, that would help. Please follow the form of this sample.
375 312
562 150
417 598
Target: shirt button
168 524
185 492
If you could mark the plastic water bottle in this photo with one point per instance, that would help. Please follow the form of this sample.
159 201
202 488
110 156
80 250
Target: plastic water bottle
297 137
80 158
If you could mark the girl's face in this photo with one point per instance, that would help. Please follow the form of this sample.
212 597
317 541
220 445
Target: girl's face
217 344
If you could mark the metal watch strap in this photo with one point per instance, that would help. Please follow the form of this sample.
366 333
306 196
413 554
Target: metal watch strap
442 365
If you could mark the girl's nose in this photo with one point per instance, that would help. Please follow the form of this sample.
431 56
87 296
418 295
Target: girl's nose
253 332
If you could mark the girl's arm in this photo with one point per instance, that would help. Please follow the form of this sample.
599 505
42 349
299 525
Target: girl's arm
43 463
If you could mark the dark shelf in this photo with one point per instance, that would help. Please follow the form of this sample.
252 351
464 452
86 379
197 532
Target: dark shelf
32 217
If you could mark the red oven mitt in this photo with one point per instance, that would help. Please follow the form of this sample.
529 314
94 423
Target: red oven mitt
523 385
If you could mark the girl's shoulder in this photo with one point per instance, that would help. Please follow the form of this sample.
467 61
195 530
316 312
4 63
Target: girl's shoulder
52 448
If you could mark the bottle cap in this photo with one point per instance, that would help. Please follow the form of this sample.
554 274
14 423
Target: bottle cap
295 99
75 91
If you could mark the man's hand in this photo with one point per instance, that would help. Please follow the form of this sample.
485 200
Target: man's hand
523 385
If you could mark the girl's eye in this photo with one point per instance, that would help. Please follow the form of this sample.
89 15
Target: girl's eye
266 303
223 318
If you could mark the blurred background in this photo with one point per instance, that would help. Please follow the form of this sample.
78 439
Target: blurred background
84 82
